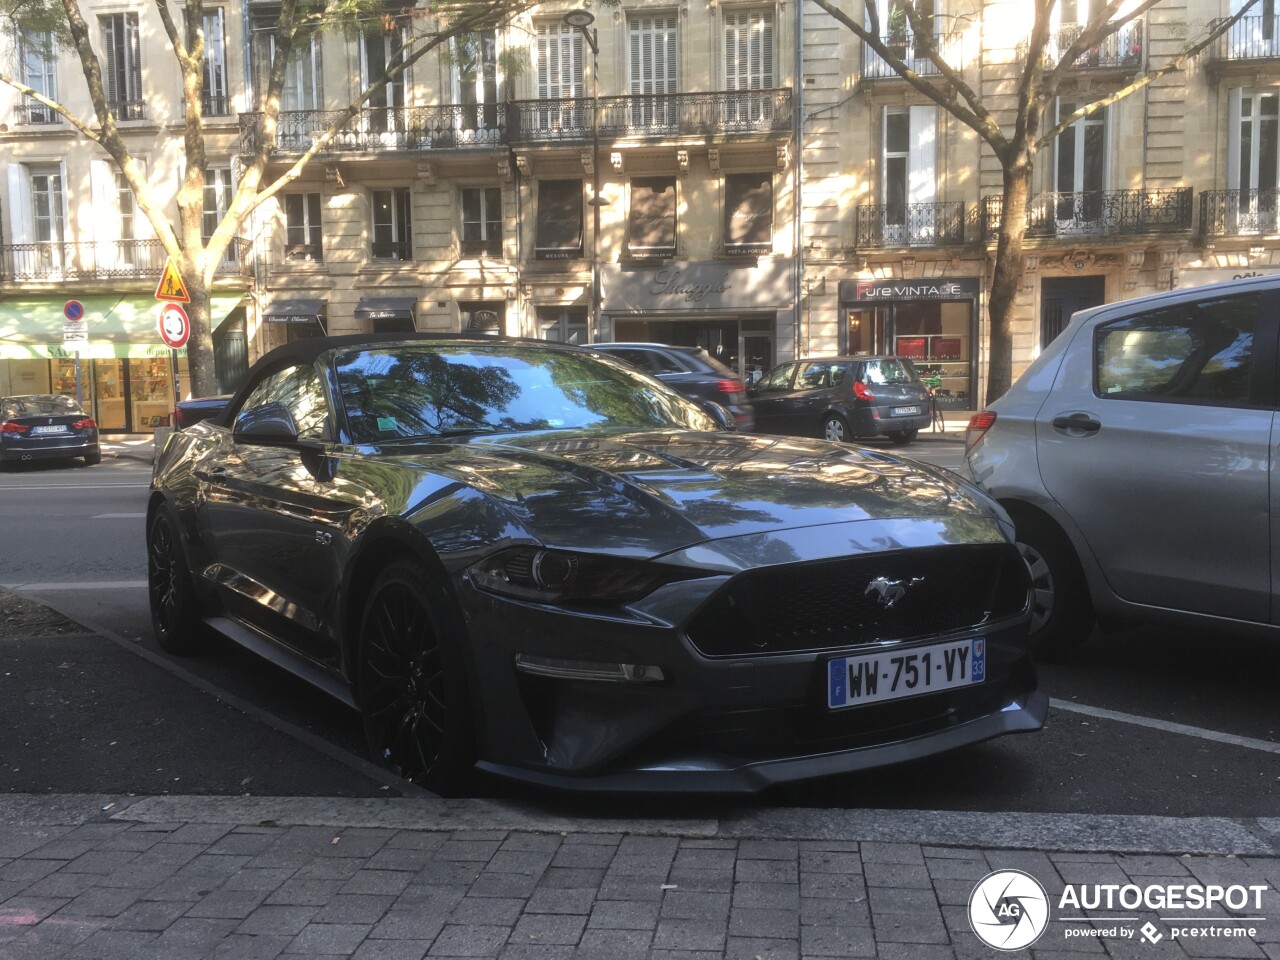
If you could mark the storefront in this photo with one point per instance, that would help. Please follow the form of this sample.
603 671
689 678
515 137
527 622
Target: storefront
740 313
934 322
294 319
127 377
387 314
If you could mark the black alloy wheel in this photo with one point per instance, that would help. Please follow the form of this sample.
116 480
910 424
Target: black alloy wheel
901 437
175 618
411 685
834 428
93 459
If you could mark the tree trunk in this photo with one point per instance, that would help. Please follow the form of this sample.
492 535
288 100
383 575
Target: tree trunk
1007 274
203 379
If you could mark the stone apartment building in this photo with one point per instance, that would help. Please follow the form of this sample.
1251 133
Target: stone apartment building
739 175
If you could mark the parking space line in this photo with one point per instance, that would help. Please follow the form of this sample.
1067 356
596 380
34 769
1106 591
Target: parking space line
75 585
118 516
1168 726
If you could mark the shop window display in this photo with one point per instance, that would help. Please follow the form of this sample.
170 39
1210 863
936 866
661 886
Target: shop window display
936 336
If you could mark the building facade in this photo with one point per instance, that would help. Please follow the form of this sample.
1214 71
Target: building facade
743 176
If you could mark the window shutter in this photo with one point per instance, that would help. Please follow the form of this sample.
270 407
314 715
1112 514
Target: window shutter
133 80
111 55
922 159
673 62
106 204
20 213
637 58
733 52
1233 139
765 78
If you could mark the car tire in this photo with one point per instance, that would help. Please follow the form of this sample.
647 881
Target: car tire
93 459
175 614
411 684
1062 615
835 428
901 437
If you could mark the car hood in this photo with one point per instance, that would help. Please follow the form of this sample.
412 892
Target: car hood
649 493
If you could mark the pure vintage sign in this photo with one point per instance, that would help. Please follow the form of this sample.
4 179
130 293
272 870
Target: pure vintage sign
959 288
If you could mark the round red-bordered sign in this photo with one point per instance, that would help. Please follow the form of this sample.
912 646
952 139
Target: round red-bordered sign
73 310
174 325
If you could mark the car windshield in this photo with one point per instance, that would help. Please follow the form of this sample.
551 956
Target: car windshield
888 371
43 406
432 390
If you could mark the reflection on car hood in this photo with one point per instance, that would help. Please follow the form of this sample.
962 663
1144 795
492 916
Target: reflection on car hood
652 492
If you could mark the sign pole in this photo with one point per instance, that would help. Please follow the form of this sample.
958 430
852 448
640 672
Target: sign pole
177 387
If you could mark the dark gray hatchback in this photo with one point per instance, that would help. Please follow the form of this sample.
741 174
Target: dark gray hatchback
840 398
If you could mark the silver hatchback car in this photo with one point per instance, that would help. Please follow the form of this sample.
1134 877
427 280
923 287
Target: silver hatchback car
1135 457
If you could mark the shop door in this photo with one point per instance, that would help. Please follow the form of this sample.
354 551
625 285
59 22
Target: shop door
1060 297
868 331
110 381
757 355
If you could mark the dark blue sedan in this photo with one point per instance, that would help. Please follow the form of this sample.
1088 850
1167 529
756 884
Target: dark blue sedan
44 427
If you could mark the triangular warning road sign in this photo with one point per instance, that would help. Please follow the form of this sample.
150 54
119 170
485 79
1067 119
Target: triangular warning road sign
171 286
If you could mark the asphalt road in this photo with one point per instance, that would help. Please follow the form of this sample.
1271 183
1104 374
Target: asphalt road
1145 721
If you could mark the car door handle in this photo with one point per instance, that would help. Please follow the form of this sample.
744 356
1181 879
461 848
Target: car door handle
1078 421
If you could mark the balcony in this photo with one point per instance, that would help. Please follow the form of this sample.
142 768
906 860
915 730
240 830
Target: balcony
652 116
378 129
128 109
1120 53
32 112
1249 41
874 67
55 262
1097 213
1239 213
912 225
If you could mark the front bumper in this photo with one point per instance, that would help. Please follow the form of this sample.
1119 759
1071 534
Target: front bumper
719 723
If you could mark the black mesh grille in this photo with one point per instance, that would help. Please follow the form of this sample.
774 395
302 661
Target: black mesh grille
838 603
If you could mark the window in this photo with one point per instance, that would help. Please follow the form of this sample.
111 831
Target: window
217 200
48 221
482 222
651 226
301 89
39 72
563 324
814 376
909 184
1081 173
303 230
777 379
215 65
475 80
1193 353
122 65
1253 158
558 224
392 216
558 76
300 391
748 64
653 69
482 316
126 210
383 113
748 214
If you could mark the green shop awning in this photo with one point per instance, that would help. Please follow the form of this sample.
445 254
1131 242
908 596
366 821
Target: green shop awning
31 328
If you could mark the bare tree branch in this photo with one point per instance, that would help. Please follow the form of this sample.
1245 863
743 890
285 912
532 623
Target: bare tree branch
53 105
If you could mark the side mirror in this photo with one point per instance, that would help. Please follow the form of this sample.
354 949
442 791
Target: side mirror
723 418
270 425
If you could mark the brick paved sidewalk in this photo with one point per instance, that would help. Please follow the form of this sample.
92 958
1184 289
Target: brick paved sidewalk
181 891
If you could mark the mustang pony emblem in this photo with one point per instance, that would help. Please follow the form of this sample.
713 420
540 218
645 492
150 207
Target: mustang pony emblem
889 592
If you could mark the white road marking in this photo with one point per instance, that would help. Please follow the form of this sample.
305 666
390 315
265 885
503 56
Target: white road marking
79 486
77 585
118 516
1168 726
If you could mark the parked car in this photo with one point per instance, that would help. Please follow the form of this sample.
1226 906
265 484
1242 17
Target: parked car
190 412
691 372
529 557
841 398
1136 457
47 427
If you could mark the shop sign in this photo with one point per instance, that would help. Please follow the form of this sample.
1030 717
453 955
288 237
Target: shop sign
958 288
100 350
1186 278
697 285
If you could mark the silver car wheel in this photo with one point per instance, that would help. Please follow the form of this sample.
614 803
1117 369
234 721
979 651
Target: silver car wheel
1041 586
833 429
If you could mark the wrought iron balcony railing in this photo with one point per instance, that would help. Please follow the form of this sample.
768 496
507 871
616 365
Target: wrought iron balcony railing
909 225
1121 50
128 109
391 250
1249 38
376 129
33 112
55 261
1098 213
906 48
652 116
1239 213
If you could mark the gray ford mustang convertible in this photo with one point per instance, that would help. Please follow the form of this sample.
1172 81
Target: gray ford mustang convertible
535 560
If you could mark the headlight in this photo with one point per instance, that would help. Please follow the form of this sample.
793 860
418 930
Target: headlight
559 576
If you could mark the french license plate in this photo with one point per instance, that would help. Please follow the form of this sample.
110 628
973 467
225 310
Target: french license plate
904 411
57 428
892 675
